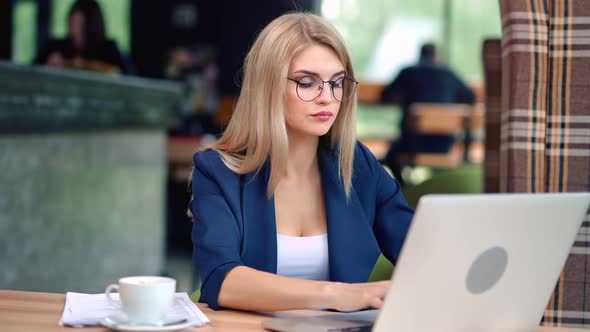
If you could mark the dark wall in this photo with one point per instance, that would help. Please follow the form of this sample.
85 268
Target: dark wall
158 26
44 9
6 29
239 27
228 26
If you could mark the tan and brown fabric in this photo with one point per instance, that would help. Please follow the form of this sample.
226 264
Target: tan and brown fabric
492 59
545 132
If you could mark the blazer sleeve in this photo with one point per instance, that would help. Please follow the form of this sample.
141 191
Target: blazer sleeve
215 235
393 215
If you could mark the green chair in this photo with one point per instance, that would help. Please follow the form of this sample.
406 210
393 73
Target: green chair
382 270
467 179
196 295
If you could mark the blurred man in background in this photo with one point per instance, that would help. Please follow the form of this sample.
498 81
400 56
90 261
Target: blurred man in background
428 81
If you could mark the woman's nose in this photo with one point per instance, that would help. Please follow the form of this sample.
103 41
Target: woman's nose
325 94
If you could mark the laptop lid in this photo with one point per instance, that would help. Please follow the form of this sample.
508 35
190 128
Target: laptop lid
481 262
485 262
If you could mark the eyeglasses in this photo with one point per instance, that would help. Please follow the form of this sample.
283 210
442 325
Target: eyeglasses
310 87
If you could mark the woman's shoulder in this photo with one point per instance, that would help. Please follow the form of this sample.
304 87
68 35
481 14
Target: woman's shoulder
208 154
210 162
53 45
110 47
208 159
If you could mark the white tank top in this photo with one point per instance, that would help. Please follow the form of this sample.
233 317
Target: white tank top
303 257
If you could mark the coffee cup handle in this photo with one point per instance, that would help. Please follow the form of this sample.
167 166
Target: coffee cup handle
108 291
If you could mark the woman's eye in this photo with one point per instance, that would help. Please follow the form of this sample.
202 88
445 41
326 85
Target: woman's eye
339 83
305 85
306 82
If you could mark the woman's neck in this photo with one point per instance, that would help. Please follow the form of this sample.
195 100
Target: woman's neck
302 159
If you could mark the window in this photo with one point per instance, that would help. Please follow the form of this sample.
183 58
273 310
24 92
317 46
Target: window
385 35
25 33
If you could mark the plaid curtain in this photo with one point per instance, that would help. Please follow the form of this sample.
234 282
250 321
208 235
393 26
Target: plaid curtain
492 59
545 124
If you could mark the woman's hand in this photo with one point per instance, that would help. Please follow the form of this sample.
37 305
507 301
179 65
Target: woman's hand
352 297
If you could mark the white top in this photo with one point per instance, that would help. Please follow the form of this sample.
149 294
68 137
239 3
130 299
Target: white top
303 257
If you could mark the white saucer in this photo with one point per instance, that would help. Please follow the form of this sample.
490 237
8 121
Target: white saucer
120 323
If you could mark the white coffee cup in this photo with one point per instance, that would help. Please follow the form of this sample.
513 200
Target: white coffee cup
144 299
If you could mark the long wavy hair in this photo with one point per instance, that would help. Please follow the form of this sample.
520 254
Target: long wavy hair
257 130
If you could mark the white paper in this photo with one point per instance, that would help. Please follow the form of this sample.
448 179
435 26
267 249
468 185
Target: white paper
88 309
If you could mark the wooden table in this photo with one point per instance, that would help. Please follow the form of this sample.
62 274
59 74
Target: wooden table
30 311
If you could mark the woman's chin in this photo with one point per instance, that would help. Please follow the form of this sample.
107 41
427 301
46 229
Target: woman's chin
313 130
319 132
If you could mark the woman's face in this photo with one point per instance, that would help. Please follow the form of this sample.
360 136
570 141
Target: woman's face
312 118
77 23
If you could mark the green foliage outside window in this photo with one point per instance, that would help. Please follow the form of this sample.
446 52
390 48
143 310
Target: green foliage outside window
363 23
25 32
472 21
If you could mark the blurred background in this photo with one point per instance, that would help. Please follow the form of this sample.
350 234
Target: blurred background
96 145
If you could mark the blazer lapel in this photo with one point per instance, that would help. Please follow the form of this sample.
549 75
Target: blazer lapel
259 239
352 247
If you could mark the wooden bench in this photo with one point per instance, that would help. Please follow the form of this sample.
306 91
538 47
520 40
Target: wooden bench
445 119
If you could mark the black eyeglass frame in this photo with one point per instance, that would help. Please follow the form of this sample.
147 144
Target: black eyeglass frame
330 82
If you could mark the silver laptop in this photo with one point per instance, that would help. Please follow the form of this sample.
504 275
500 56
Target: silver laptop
486 262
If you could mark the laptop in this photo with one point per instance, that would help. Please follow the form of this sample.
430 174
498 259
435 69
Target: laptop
485 262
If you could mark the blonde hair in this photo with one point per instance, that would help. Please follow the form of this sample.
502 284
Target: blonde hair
257 130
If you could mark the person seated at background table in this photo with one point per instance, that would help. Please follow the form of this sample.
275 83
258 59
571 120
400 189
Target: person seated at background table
290 210
86 46
428 81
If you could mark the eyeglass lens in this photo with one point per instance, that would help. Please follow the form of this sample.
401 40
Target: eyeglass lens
310 87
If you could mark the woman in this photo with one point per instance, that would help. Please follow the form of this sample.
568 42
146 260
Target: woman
86 46
290 211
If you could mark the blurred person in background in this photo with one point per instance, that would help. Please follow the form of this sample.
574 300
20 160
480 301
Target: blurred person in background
196 69
428 81
86 46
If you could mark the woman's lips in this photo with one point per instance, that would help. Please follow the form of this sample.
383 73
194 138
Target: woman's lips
323 116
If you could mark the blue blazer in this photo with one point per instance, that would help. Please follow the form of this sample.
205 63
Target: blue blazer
234 220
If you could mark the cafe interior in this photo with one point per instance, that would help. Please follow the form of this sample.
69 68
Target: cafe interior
96 158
